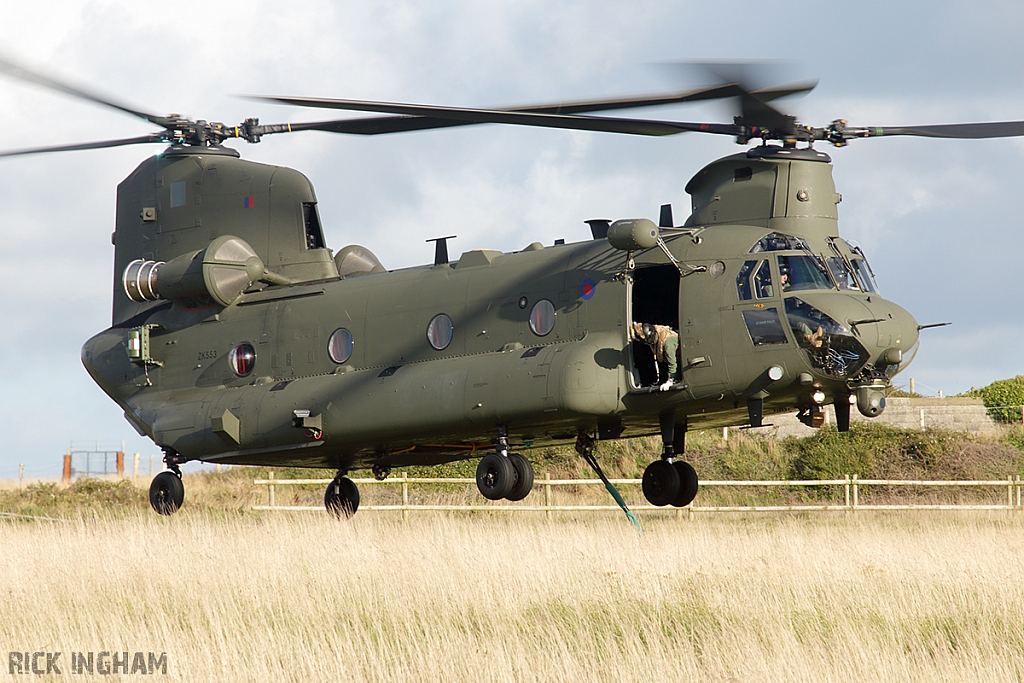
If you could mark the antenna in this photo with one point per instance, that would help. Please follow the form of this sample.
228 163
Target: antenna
441 249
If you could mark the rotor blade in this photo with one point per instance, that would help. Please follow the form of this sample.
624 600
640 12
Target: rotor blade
395 124
713 92
152 137
20 72
520 118
777 91
975 131
749 77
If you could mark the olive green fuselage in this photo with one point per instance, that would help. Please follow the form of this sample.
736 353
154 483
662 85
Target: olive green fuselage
398 400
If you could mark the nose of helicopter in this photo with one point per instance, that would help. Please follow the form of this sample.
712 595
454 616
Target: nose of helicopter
861 340
889 333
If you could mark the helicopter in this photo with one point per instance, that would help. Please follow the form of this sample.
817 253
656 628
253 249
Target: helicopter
239 337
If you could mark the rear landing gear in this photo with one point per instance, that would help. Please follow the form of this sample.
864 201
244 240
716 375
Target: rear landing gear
669 481
342 497
167 493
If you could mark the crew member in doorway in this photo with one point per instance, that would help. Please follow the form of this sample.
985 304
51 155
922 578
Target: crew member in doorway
664 343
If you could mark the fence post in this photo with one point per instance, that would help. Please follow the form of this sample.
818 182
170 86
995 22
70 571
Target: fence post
1018 492
1009 494
405 496
120 464
855 493
271 489
547 494
66 475
21 473
846 491
135 466
151 464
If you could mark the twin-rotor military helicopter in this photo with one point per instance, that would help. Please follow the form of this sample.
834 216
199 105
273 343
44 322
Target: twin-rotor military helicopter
239 337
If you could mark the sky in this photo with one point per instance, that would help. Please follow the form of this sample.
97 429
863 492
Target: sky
939 219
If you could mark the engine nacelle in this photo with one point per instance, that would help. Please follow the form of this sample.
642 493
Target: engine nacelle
222 272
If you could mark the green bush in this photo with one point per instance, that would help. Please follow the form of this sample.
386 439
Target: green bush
876 451
1003 398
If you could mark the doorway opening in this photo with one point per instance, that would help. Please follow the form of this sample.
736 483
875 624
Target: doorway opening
655 300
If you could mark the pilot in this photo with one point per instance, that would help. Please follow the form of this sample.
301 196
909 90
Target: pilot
808 338
664 343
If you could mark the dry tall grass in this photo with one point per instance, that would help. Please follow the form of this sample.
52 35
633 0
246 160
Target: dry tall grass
295 597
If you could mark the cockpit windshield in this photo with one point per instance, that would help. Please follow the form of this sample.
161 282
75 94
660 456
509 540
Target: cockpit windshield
802 272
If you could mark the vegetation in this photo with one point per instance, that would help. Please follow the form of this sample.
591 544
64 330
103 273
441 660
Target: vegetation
301 597
1003 398
221 588
869 450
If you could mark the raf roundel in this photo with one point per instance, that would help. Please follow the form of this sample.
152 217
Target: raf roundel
587 288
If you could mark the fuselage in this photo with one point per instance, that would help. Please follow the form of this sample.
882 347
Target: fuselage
422 365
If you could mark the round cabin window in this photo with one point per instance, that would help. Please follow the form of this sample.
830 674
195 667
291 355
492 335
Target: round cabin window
542 318
242 359
339 346
439 331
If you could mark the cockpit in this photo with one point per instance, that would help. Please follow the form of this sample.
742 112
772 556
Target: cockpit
784 266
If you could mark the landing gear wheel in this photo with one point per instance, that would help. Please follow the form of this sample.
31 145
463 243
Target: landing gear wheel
524 477
166 493
495 476
660 483
687 484
342 497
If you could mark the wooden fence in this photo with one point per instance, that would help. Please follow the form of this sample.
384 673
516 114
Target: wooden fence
852 487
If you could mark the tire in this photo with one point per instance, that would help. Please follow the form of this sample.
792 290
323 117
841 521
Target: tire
342 497
687 484
524 477
495 476
166 493
660 483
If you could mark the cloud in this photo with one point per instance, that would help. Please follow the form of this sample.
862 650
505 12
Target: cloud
940 219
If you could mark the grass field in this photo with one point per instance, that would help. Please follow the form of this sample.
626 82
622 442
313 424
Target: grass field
296 597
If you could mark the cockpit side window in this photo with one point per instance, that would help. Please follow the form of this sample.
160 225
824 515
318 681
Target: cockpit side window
802 272
841 274
863 271
861 268
763 281
743 280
